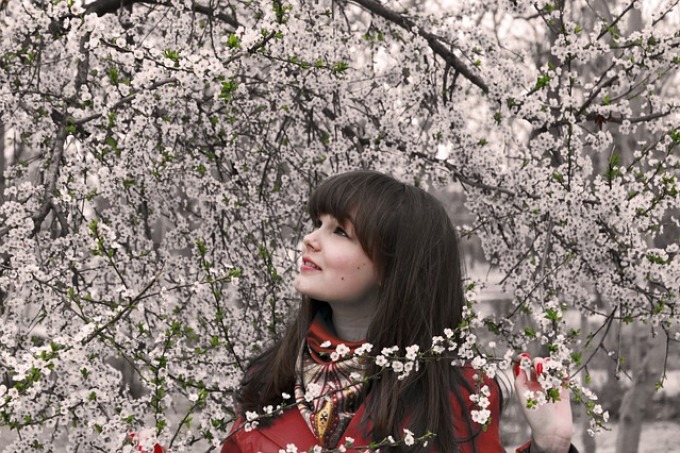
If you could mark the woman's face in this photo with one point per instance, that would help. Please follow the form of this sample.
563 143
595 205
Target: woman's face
335 269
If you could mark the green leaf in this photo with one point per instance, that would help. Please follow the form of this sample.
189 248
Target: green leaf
553 394
92 226
542 81
235 273
557 176
113 75
675 135
492 327
613 167
233 42
111 141
655 259
228 89
340 67
172 55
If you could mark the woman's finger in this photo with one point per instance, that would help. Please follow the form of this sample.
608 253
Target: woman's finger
539 365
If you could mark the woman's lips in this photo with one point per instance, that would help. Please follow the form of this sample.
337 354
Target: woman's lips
309 265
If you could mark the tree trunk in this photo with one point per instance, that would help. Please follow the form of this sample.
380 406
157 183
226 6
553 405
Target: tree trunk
588 441
646 358
646 354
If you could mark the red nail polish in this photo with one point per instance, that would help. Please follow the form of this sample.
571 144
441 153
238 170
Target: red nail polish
539 368
525 355
516 370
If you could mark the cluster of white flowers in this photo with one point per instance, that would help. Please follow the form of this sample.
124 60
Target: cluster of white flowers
403 366
251 420
481 400
313 391
363 350
341 351
597 416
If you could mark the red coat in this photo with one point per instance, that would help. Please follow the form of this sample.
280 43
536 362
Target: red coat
290 428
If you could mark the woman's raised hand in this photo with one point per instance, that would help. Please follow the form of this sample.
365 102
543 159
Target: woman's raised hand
551 423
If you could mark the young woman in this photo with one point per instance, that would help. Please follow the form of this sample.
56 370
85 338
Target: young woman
382 266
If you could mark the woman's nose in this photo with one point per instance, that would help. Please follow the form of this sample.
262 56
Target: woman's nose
310 241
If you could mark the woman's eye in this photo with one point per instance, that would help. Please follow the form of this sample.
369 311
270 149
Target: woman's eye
341 232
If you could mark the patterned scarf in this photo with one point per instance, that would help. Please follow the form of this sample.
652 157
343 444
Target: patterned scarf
329 415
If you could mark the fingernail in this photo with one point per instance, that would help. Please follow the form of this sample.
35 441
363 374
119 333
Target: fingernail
539 368
524 354
516 370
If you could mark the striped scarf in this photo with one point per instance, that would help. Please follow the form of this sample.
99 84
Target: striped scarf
334 399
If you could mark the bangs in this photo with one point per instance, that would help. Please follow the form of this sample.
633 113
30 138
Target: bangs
366 198
337 197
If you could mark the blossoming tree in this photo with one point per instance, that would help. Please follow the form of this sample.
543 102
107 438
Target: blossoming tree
157 156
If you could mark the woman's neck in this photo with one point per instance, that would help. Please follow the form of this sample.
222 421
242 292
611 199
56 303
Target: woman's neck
349 324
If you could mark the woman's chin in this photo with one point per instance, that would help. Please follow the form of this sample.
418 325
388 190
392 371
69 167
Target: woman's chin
300 288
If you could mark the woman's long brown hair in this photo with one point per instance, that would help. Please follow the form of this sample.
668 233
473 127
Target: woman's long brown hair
413 244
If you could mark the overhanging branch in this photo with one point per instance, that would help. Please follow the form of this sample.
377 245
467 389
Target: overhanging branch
435 44
102 7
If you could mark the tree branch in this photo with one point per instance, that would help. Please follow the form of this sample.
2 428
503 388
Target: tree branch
616 20
102 7
121 101
461 177
435 44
